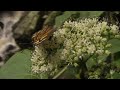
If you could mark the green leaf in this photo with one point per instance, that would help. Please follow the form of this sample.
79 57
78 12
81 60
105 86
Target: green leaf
115 45
116 76
17 67
83 14
90 14
90 63
116 59
69 73
62 18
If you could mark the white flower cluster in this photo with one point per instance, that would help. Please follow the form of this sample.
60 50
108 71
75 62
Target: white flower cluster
86 37
38 60
75 40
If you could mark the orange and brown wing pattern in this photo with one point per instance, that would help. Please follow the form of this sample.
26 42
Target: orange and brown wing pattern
42 35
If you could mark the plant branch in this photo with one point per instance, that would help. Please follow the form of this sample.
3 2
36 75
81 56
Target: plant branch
61 72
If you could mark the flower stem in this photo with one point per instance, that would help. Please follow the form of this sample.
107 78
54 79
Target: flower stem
61 72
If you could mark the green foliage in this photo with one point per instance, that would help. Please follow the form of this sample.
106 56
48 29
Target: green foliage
18 66
69 73
90 63
115 45
90 14
79 14
116 61
116 76
60 19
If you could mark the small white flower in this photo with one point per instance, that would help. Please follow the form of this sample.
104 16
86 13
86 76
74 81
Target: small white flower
112 72
114 29
43 68
100 52
107 52
35 69
117 36
108 45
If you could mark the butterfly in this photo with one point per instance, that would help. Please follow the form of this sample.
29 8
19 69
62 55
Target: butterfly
42 35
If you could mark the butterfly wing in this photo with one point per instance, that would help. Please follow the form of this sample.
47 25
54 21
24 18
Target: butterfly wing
42 35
